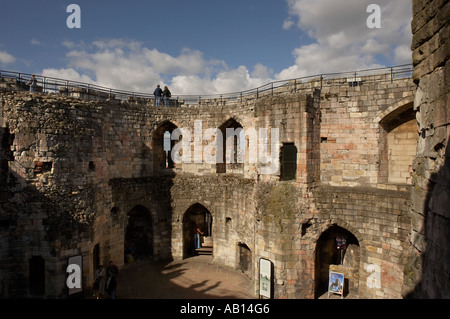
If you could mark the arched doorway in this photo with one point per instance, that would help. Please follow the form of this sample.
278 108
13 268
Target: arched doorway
197 215
337 249
138 234
245 259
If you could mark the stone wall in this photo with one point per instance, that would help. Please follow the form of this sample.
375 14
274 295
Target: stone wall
428 270
77 168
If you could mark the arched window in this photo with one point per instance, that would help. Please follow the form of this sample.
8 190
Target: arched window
398 140
233 147
162 147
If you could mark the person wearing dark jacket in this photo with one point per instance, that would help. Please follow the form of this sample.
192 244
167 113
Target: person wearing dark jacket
158 93
166 96
111 286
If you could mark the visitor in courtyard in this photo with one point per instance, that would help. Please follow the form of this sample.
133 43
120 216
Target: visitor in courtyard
166 95
101 281
111 285
158 93
32 83
197 233
112 269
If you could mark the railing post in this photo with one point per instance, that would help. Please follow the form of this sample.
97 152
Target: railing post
392 74
272 88
257 93
321 81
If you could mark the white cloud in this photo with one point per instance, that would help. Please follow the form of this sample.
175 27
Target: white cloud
288 23
342 39
35 42
67 74
128 65
6 58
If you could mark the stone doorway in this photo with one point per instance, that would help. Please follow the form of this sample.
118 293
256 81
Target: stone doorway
37 276
332 256
138 234
245 259
198 215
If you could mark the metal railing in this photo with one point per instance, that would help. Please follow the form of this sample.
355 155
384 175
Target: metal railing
18 81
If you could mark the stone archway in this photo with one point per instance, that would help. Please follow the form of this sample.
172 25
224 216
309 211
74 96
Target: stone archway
245 259
198 215
162 147
138 234
329 258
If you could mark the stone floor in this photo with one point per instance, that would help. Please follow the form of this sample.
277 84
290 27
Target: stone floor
192 278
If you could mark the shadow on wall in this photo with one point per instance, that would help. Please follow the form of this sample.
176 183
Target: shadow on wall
433 276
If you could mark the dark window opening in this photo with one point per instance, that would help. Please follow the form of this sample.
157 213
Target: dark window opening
37 276
163 146
245 259
235 160
288 162
139 234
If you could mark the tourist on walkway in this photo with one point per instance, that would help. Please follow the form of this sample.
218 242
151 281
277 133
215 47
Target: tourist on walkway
158 93
166 96
32 83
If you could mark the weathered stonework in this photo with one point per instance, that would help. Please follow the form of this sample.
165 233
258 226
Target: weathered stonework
427 272
75 171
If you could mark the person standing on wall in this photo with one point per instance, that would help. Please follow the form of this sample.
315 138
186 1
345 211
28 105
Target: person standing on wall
166 96
32 83
158 93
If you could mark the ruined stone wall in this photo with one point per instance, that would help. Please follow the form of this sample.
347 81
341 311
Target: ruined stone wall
78 167
352 142
428 270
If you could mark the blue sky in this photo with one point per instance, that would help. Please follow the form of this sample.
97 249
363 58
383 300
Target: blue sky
200 46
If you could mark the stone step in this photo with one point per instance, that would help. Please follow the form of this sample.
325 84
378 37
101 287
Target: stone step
204 251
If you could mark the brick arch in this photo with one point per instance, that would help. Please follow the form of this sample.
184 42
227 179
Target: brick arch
395 109
154 214
234 118
162 123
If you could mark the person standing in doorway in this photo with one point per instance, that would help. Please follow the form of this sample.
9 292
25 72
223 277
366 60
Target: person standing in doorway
166 96
197 233
158 93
